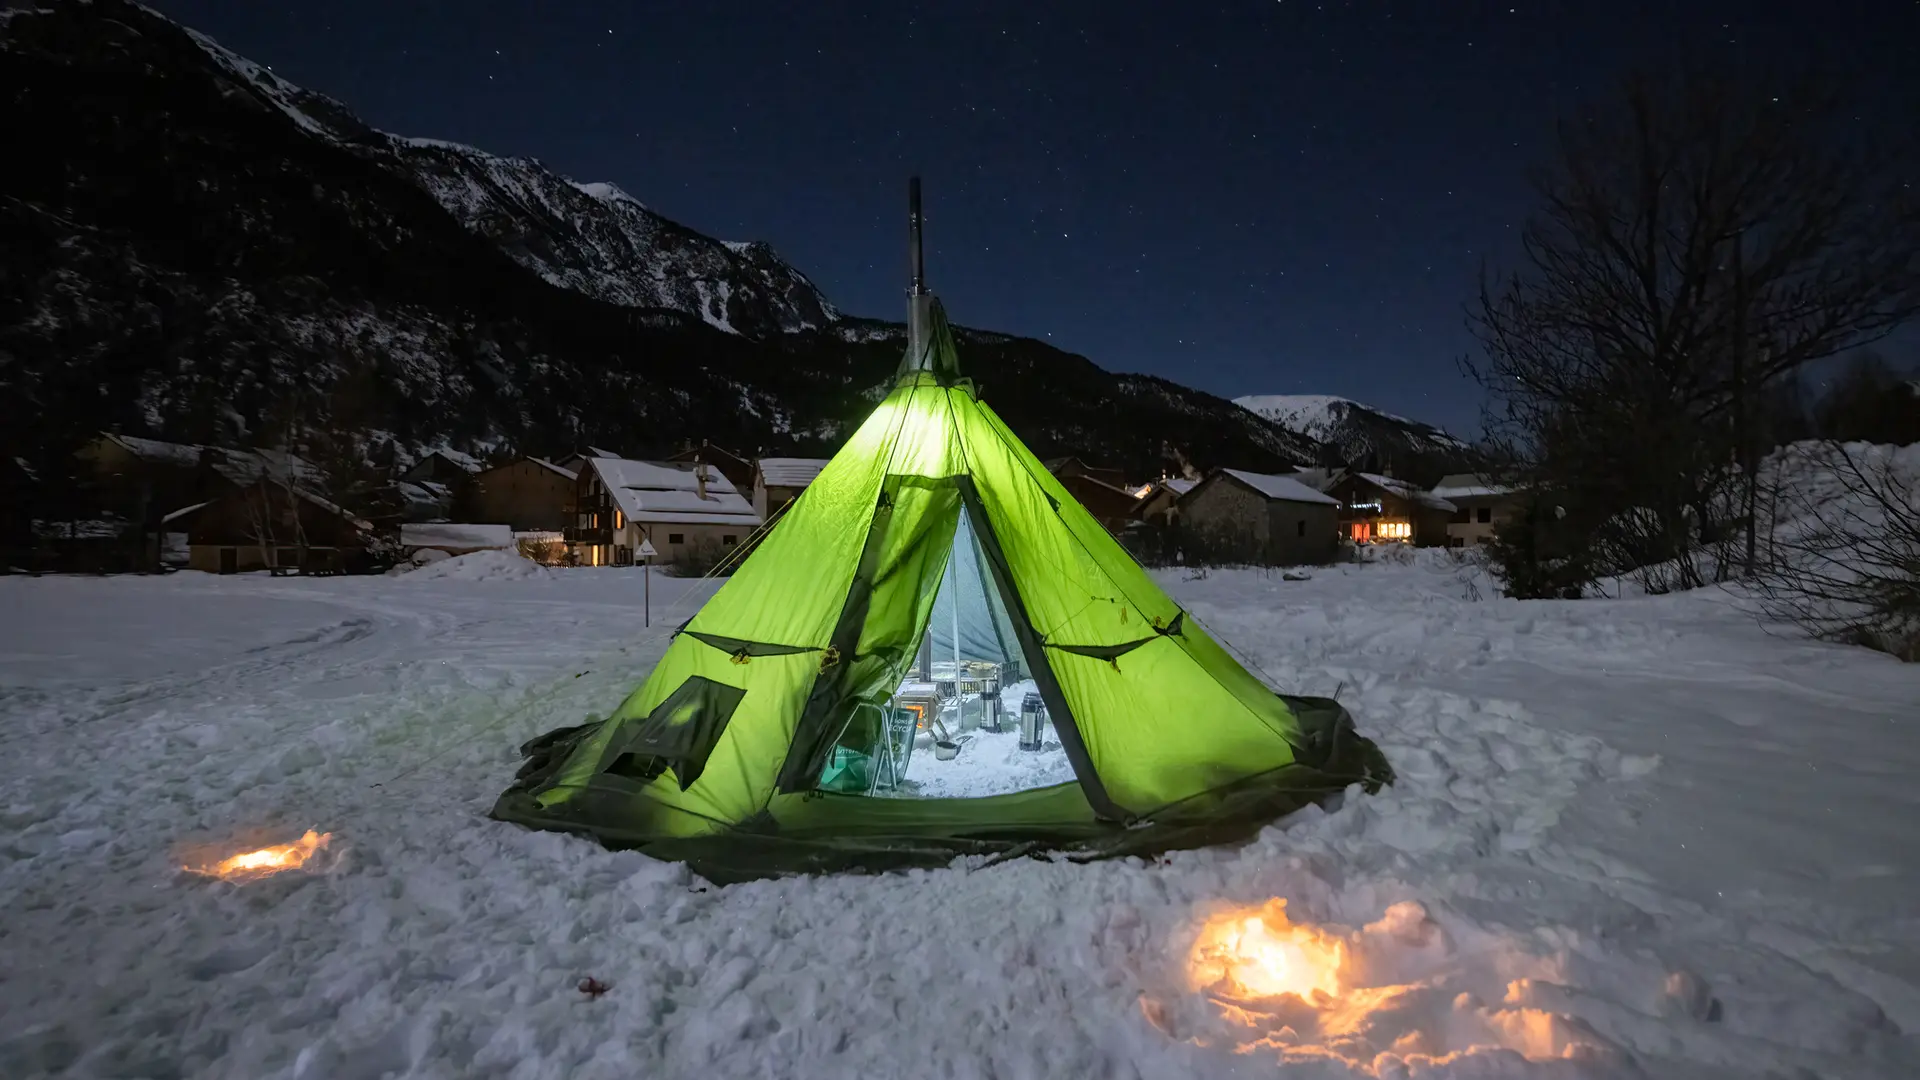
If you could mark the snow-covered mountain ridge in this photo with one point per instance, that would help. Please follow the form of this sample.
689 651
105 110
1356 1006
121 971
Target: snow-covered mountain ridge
1355 433
600 241
201 252
590 237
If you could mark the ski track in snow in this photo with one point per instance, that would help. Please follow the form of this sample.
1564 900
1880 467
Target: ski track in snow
1646 839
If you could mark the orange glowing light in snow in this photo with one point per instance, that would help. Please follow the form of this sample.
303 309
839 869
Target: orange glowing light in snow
1261 953
269 860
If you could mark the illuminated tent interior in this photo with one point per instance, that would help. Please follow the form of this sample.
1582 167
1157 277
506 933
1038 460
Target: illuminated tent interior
936 590
965 696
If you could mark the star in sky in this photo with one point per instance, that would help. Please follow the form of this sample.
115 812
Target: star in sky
1251 198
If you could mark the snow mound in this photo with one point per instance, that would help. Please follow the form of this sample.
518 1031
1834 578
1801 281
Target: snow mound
491 565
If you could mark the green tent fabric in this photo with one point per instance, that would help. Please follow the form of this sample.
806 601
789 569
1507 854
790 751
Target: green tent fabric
718 757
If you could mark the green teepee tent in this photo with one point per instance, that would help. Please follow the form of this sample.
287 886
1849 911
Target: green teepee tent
732 755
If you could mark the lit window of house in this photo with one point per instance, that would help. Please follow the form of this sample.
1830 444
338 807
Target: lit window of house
1396 530
619 519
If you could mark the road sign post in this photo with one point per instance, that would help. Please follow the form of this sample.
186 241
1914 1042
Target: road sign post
646 581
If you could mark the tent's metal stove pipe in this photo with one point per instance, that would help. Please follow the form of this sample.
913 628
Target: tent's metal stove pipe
919 300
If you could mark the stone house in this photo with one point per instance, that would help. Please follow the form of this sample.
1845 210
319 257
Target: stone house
1239 516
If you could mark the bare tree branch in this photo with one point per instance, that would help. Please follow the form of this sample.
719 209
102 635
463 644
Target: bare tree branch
1698 241
1843 551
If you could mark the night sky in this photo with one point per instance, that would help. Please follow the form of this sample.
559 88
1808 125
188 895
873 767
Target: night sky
1248 197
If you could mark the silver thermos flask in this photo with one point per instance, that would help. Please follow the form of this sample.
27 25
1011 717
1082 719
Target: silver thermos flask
1033 722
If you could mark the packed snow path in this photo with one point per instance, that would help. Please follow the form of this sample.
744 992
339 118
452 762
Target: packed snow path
1645 838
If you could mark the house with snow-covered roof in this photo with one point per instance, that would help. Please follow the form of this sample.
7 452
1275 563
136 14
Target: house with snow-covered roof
143 482
1481 501
731 465
1264 518
1376 508
572 462
1156 500
688 510
280 527
779 481
525 494
450 468
1101 489
158 465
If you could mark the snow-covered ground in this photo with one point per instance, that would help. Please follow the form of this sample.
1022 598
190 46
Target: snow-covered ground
1635 837
990 762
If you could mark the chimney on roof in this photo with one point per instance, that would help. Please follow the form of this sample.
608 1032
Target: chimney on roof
699 478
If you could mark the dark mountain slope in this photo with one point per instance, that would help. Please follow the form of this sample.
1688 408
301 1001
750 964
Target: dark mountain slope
190 253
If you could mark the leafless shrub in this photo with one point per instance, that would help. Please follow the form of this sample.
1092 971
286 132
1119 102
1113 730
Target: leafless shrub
1843 553
700 559
1700 240
545 550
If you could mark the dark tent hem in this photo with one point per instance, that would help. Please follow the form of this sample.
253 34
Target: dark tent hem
926 834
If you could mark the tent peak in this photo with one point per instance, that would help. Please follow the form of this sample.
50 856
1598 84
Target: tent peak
929 341
930 344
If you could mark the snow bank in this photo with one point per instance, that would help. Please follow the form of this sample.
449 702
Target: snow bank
491 565
1812 482
1842 548
1808 492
